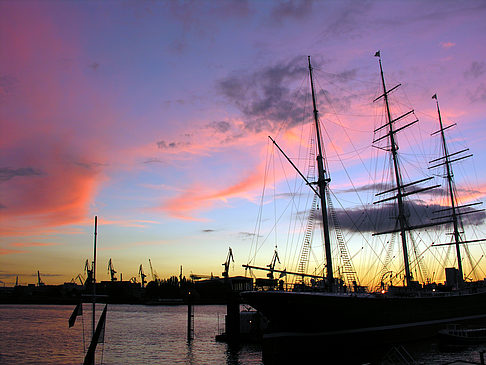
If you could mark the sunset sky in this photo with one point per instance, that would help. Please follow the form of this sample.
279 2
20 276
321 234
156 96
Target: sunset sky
154 116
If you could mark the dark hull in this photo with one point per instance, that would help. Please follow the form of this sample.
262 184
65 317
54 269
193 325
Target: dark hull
322 312
373 324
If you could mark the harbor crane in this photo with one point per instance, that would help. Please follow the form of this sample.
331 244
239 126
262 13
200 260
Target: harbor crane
142 276
111 271
154 275
39 281
271 266
80 277
226 264
89 273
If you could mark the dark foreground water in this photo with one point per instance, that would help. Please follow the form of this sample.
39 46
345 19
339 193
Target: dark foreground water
39 334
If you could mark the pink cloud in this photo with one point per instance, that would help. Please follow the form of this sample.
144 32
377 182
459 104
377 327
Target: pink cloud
447 44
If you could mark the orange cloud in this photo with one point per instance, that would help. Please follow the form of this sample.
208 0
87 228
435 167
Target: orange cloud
8 251
197 198
33 244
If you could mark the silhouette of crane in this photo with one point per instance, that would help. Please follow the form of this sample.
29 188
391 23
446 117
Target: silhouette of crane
142 275
226 264
111 271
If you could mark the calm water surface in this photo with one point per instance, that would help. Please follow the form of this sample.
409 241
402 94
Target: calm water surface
39 334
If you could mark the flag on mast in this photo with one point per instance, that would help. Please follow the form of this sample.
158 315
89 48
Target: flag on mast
377 54
434 96
78 311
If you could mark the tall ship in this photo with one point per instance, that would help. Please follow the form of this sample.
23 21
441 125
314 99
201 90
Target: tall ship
331 310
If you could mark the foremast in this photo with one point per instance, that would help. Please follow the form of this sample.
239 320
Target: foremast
322 182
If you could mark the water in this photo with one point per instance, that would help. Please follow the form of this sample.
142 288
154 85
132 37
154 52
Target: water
135 334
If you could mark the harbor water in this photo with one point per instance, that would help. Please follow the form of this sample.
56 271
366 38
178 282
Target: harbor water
137 334
134 334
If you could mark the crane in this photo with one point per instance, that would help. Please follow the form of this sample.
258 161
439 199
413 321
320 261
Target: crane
111 271
142 275
154 275
226 264
89 273
39 281
272 264
80 277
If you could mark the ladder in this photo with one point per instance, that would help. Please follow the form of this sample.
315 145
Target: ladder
349 272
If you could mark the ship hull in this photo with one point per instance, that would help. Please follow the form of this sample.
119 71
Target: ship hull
321 312
371 325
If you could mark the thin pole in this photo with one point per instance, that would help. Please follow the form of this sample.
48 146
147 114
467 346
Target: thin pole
94 274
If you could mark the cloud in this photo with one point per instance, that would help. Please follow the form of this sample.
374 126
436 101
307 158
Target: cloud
7 173
475 70
276 97
197 198
33 244
293 9
9 251
447 44
384 218
264 96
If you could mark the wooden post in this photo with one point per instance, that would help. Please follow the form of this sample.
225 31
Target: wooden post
190 319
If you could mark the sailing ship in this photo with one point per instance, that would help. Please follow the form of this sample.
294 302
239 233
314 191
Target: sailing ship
341 316
97 330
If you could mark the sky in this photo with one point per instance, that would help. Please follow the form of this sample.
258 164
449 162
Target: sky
154 116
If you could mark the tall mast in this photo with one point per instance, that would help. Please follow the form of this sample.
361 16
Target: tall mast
398 181
322 182
94 273
450 182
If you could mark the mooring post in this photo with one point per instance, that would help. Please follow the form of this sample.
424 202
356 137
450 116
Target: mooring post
190 318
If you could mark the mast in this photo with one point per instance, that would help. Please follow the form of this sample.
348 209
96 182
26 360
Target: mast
94 274
398 181
450 182
322 182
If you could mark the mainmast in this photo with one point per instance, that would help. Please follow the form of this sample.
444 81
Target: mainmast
403 225
398 181
322 182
